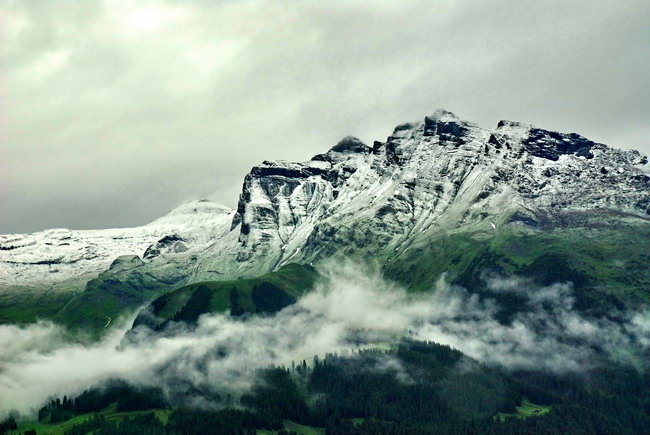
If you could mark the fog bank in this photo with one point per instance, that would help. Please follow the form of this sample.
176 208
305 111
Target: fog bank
351 307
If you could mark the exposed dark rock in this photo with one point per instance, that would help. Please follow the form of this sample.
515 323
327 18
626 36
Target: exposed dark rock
494 141
172 243
448 131
383 211
351 144
550 172
526 220
402 127
644 205
326 157
392 153
551 145
49 262
283 171
452 132
125 262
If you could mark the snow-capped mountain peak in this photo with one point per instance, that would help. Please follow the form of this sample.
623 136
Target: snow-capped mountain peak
438 175
63 259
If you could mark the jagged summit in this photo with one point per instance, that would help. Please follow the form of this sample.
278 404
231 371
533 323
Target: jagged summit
439 176
505 123
351 144
443 114
346 147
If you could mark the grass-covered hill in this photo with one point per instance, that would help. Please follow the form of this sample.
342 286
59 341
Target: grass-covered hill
263 295
607 263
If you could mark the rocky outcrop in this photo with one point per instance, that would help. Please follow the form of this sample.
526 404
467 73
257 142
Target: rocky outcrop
125 262
442 174
172 243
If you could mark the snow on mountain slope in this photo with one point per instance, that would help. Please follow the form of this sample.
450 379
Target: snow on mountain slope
62 259
436 176
430 178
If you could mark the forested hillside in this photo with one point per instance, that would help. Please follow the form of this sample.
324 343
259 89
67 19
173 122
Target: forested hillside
414 388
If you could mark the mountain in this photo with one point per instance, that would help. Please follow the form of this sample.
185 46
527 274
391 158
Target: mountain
57 264
439 195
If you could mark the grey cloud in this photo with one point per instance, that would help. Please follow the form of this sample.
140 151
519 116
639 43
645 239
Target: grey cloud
115 112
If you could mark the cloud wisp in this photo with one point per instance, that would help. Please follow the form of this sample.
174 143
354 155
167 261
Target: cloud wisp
349 309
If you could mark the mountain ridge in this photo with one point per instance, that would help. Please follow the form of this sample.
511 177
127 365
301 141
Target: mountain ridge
427 182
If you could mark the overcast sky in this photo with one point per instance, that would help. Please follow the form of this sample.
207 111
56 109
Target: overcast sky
114 112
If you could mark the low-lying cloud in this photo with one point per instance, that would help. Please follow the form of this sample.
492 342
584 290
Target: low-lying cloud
351 307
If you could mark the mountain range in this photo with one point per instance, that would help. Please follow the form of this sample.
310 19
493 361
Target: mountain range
438 196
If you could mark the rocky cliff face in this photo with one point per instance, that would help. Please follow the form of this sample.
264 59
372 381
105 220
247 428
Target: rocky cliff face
430 178
439 175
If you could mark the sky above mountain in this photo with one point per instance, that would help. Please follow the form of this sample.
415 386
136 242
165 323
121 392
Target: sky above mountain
113 112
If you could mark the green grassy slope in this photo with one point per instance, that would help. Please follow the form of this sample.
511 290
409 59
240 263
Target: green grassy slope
20 308
265 294
105 300
607 265
291 426
113 295
525 410
110 414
